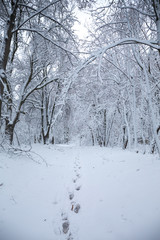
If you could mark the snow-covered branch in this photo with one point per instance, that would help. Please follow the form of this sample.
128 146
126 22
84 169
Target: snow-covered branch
138 10
48 39
33 15
37 87
46 16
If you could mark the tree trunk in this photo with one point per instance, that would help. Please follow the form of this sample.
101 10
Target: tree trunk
46 138
150 103
153 119
92 135
125 138
109 129
134 116
127 126
156 7
1 97
104 128
9 131
4 54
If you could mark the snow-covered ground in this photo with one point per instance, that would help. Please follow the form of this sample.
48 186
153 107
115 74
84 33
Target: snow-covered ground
83 193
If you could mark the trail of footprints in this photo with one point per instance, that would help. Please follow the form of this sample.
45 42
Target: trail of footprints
75 207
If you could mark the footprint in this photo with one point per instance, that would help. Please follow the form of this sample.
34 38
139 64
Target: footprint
74 180
123 217
78 175
64 216
70 237
77 208
65 227
71 196
78 188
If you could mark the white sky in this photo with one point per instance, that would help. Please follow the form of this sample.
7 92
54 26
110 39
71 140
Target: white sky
80 27
85 19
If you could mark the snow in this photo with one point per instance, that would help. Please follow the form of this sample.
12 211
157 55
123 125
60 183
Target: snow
85 193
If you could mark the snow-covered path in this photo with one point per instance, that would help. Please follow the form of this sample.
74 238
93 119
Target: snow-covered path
85 193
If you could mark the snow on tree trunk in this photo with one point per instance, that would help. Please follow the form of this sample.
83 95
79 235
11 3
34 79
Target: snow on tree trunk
150 103
104 128
134 116
4 52
127 126
158 30
151 108
156 6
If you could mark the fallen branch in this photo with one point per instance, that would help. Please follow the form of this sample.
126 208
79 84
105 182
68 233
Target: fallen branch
28 153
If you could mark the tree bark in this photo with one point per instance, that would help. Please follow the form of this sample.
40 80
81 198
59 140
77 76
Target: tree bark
9 130
5 50
128 129
125 138
156 7
104 128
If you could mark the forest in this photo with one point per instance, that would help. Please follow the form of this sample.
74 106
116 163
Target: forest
79 119
99 90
